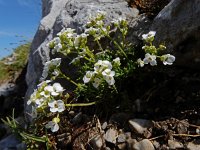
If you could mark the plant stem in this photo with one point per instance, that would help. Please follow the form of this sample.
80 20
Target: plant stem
69 79
117 45
80 104
99 45
115 89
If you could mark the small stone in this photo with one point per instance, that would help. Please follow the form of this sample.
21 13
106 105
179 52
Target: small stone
141 126
104 125
130 142
128 135
119 118
80 119
122 146
156 144
192 146
97 142
107 148
143 145
174 144
111 135
121 138
71 113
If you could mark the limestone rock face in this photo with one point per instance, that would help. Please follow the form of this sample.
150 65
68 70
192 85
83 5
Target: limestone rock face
72 14
178 26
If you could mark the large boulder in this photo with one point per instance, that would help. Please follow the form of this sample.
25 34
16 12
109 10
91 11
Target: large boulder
178 26
72 14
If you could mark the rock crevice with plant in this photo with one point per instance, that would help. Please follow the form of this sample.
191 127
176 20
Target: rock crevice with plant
96 68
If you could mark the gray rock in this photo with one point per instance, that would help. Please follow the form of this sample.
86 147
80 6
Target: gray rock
143 145
104 125
156 144
141 126
9 142
193 146
122 146
111 135
97 142
177 25
174 144
130 142
121 138
119 119
7 89
80 119
73 14
21 146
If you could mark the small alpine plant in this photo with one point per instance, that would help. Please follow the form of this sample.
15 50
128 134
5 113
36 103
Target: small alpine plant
100 67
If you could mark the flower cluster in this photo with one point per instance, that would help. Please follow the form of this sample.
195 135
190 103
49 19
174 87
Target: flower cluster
152 52
46 98
51 66
99 68
102 72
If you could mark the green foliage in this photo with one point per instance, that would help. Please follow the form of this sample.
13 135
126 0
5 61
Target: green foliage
14 63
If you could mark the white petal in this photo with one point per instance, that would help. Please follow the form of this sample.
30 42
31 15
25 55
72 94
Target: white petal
153 63
49 124
55 127
112 73
54 93
52 103
53 109
146 60
61 105
49 88
58 87
85 79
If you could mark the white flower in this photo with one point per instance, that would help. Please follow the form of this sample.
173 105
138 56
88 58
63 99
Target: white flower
56 106
168 59
83 35
58 88
110 80
43 83
117 61
148 35
108 72
71 35
101 65
100 23
53 125
55 73
56 40
150 59
96 82
77 41
46 94
32 97
88 76
91 31
39 102
66 30
50 65
140 62
56 48
118 21
54 90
